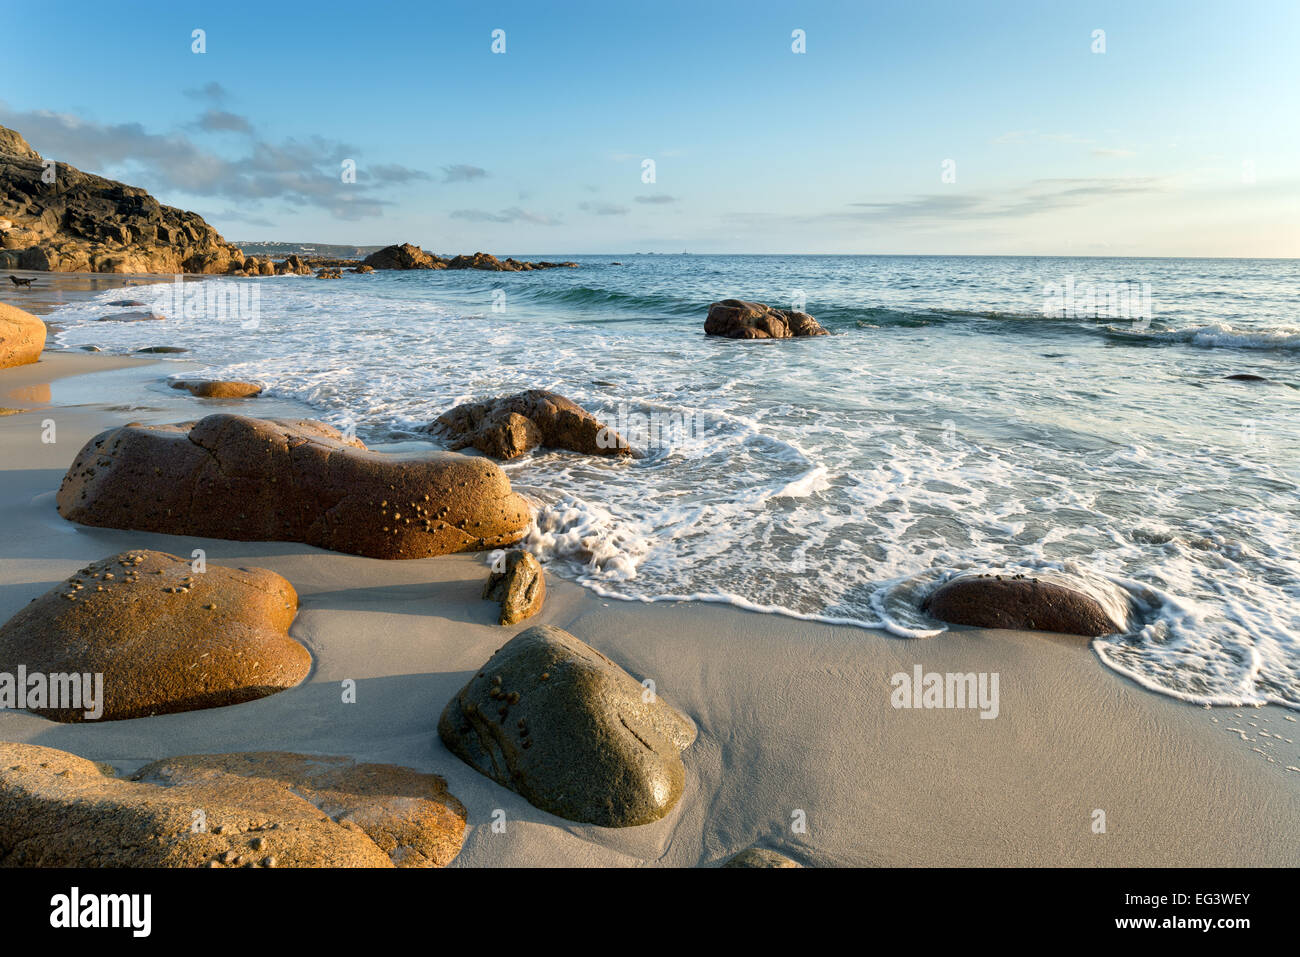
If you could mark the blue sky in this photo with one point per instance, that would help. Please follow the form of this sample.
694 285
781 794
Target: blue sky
1180 139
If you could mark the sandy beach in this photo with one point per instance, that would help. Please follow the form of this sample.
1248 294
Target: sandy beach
795 717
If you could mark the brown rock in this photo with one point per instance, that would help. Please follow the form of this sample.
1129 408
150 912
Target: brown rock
761 857
1049 602
508 426
738 319
85 223
292 265
326 273
22 336
362 269
520 586
556 721
218 388
230 476
404 256
164 637
273 808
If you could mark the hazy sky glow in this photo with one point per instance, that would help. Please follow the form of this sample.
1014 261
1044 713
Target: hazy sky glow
1180 139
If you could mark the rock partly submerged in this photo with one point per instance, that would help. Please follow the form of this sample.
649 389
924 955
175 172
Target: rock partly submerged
738 319
165 637
1046 601
255 809
408 256
508 426
218 388
556 721
237 477
520 586
22 337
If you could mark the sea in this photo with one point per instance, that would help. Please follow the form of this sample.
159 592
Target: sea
1018 414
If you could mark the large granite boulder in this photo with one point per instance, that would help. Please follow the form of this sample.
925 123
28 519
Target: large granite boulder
257 809
404 256
165 637
1047 601
738 319
519 585
22 337
85 223
508 426
555 720
231 476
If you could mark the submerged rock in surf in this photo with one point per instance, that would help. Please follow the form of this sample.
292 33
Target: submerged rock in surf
508 426
1044 602
738 319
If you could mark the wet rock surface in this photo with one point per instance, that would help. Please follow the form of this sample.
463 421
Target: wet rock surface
520 587
738 319
508 426
218 388
556 721
1032 603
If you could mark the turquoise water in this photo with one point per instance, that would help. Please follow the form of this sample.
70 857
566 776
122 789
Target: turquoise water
946 423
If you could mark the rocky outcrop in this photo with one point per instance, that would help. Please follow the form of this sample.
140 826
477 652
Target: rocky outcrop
407 256
404 256
218 388
508 426
490 263
165 636
22 337
292 266
230 476
326 272
761 857
256 809
362 269
1046 602
520 587
85 223
575 734
738 319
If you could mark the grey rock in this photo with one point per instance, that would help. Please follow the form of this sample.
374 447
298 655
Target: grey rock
556 721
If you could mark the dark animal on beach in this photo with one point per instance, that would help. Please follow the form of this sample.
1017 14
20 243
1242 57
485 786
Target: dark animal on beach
22 282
